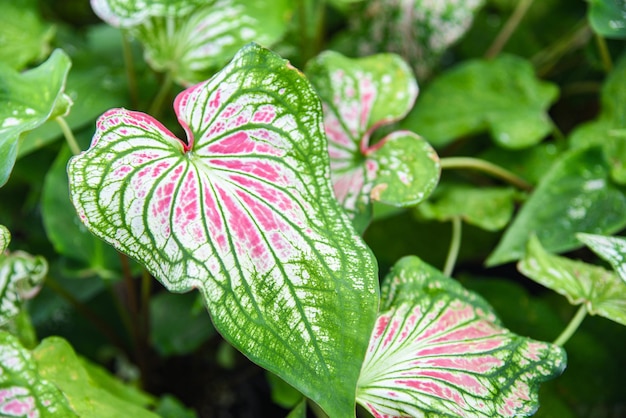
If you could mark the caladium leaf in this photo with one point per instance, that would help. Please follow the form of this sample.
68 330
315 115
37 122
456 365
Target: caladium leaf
359 95
243 211
439 350
23 393
189 38
612 249
21 277
27 100
602 291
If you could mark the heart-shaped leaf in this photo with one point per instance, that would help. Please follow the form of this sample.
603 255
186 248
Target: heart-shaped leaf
500 96
575 195
27 100
21 277
190 38
612 249
23 393
439 350
359 95
243 211
602 291
608 18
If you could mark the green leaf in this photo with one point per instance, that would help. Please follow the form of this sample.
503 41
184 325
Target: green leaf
358 96
608 18
5 239
244 212
489 208
283 394
299 411
501 96
58 364
170 407
576 195
188 39
25 37
23 393
439 349
27 100
601 291
611 249
175 329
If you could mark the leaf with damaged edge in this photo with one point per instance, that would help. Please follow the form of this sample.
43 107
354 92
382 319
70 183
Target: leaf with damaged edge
243 211
439 349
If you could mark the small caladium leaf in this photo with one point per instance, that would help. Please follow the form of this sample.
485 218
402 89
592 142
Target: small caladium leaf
608 18
359 95
500 96
602 291
27 100
21 277
243 211
439 350
190 38
611 249
23 393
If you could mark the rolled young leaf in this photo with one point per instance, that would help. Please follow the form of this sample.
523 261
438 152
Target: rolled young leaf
243 211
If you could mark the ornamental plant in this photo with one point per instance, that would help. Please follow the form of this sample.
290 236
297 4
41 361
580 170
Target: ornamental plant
288 241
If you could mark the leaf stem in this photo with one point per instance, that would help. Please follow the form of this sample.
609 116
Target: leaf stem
455 245
605 56
546 59
486 167
157 103
130 70
509 27
69 136
572 326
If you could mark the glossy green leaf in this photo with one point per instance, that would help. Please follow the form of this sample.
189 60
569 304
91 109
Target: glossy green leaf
501 96
600 290
23 392
489 208
419 30
58 364
243 211
358 96
439 350
21 277
24 37
608 18
189 38
575 195
27 100
611 249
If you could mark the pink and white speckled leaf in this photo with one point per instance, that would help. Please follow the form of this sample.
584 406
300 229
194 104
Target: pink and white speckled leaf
243 211
21 277
23 393
358 96
191 38
439 350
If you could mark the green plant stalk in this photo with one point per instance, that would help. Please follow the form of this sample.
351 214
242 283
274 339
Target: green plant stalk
130 70
509 28
605 56
547 58
455 246
69 136
572 326
486 167
159 99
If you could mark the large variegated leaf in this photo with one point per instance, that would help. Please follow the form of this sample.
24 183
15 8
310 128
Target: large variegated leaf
27 100
600 290
23 393
243 210
359 95
190 38
612 249
21 277
439 350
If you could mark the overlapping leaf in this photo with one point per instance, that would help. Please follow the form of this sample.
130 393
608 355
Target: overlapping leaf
612 249
190 38
21 276
23 393
359 95
608 18
243 210
602 292
27 100
439 350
